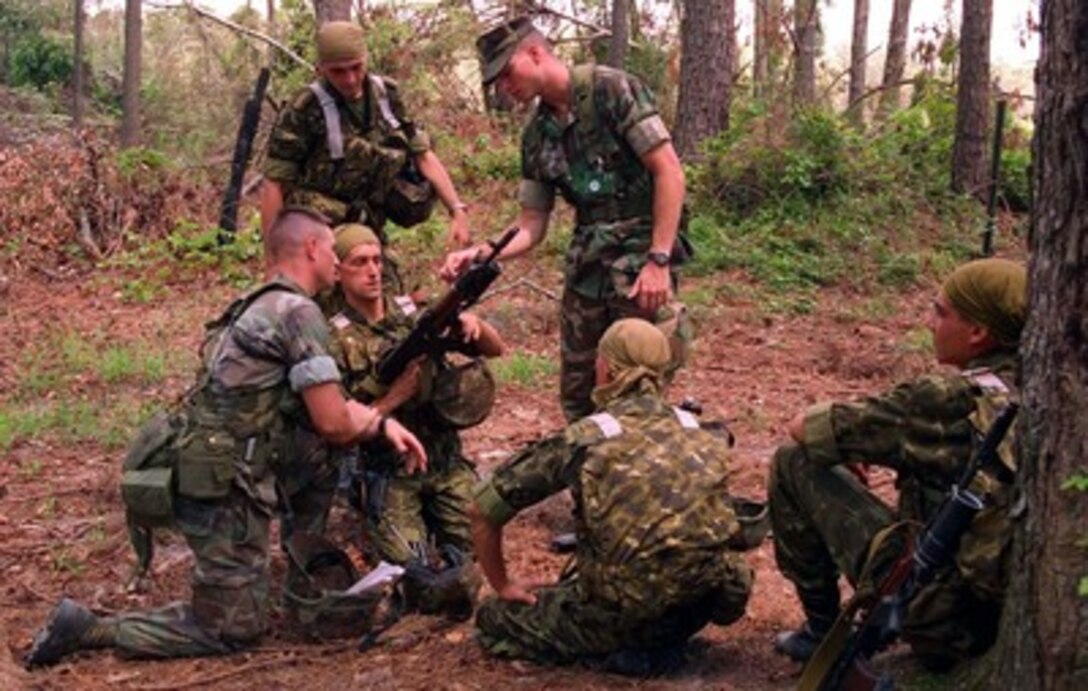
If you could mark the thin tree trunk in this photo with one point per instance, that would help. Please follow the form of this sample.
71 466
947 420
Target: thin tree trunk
617 44
77 75
271 58
130 80
969 155
1043 642
805 21
859 49
332 10
896 59
768 47
706 73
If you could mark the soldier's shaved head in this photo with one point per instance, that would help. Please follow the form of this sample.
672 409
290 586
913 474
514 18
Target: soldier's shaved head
290 231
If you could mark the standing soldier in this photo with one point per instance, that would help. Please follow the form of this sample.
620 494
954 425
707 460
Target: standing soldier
597 139
826 522
655 525
345 147
404 512
266 373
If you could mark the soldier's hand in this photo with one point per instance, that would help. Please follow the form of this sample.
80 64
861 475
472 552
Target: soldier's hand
415 458
470 326
652 288
517 591
459 233
456 263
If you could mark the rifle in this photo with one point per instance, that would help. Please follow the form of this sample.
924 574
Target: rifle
842 660
428 334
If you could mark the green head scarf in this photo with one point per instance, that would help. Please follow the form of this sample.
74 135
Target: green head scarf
636 351
993 294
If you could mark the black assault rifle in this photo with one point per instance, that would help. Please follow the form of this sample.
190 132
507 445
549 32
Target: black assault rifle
842 660
430 333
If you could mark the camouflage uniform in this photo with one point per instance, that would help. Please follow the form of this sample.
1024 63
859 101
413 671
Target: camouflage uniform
354 189
414 506
653 521
824 520
248 431
592 159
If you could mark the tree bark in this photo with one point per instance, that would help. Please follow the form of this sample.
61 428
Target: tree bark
77 74
617 44
805 22
332 10
130 79
767 58
969 156
895 59
706 73
1043 642
859 49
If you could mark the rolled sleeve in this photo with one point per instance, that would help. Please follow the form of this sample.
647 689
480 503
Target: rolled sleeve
420 142
820 444
281 171
491 504
646 135
534 194
312 372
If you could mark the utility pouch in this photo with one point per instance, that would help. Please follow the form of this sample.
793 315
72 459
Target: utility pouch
206 463
147 473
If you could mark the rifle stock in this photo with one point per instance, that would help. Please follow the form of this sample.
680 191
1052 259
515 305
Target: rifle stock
427 336
842 660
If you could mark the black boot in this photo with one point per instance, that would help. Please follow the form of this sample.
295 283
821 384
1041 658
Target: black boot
71 627
821 610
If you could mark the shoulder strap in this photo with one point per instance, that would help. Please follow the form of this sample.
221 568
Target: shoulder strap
334 133
586 105
381 94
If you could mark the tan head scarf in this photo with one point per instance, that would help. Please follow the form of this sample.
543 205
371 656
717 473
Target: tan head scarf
351 235
635 351
340 41
991 293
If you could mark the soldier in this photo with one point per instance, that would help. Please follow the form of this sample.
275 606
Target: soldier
375 137
404 511
266 372
598 140
654 523
824 519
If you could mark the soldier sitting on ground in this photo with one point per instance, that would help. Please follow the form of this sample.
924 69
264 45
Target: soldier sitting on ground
654 524
266 373
826 522
434 398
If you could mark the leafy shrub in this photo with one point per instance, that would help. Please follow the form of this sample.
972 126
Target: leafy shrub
39 61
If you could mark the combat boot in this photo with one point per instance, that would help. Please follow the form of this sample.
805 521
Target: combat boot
71 627
821 610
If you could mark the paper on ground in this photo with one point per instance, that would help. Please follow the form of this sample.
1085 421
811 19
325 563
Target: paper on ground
382 575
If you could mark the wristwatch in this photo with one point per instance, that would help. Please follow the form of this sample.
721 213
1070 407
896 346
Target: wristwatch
659 258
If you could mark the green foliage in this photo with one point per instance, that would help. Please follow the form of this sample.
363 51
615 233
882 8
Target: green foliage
523 369
39 61
491 160
1077 481
1015 183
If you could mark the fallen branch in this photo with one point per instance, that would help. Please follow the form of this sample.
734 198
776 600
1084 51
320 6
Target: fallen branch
517 284
290 658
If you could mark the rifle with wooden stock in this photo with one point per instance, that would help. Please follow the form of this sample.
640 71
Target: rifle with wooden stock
842 660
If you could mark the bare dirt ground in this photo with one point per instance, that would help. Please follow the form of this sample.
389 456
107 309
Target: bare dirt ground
61 529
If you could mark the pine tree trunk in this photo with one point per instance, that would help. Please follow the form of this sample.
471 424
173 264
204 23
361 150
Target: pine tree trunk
859 47
969 155
617 44
805 22
896 58
130 79
1043 642
706 73
332 10
77 74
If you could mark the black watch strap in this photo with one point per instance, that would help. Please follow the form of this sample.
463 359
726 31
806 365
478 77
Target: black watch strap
659 258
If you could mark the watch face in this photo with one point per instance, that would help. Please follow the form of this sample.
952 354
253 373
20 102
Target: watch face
659 258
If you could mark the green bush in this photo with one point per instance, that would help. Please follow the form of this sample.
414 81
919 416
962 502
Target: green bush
39 61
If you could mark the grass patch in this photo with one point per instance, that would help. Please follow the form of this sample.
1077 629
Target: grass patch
524 369
919 339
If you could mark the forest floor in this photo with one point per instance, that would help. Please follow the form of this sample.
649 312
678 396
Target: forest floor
61 525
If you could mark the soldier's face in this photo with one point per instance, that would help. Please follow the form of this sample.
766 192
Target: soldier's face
520 78
346 76
326 263
361 272
956 339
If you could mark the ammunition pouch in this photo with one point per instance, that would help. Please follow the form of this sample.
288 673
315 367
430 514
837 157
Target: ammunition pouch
754 519
411 198
148 471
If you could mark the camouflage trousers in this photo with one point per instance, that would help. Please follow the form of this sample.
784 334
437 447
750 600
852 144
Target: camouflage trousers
566 625
584 320
824 522
418 507
229 607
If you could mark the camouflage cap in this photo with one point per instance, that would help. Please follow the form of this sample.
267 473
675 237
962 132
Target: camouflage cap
351 235
498 45
340 41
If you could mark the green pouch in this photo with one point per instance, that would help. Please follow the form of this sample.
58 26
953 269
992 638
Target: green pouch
206 464
148 495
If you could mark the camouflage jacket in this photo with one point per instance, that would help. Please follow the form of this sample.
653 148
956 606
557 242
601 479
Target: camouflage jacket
374 151
927 430
650 494
243 416
357 346
592 158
